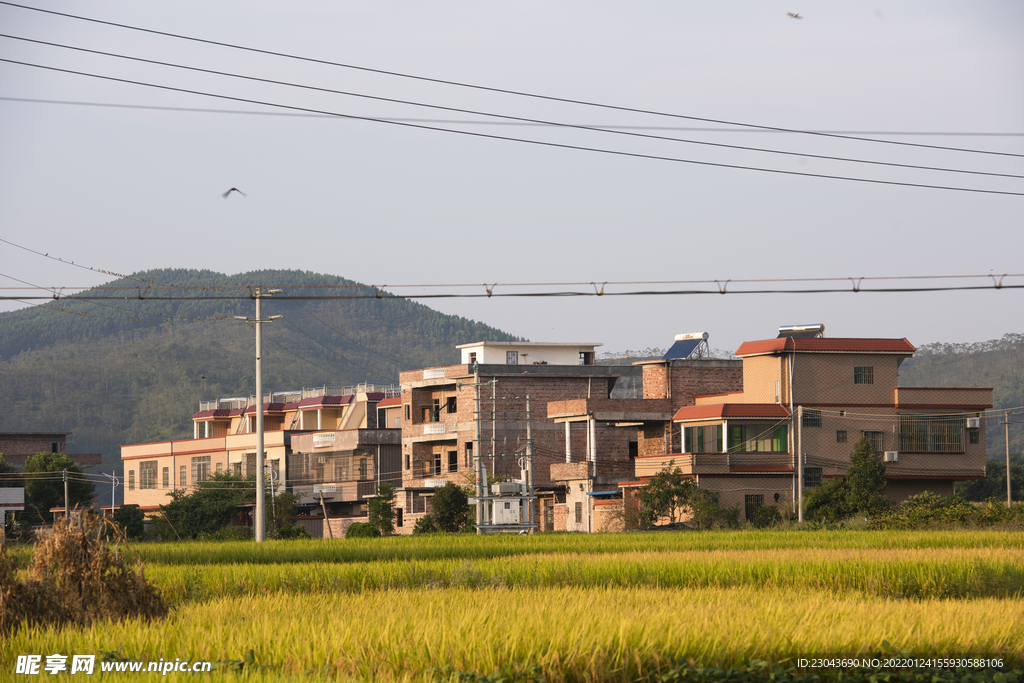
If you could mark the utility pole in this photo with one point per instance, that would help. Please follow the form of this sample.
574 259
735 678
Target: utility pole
529 465
1006 424
260 523
113 487
800 463
67 510
480 483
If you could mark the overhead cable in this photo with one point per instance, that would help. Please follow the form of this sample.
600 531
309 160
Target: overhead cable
488 88
519 119
541 143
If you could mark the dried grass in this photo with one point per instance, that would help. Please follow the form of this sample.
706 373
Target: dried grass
76 578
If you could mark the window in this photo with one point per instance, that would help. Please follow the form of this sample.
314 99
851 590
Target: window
408 465
579 512
472 357
512 358
758 438
453 461
167 477
812 477
752 503
407 410
453 405
147 474
972 436
398 422
840 436
876 440
131 480
932 434
363 471
549 514
586 357
398 517
863 374
54 446
812 418
220 468
437 463
201 468
182 477
469 454
634 449
419 503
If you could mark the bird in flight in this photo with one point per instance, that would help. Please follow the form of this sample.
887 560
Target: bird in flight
794 16
234 189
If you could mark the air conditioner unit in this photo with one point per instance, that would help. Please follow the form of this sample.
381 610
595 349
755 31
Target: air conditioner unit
891 456
974 423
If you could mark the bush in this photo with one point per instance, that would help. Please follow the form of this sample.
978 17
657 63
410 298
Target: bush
767 516
131 521
76 578
451 509
930 509
362 530
425 525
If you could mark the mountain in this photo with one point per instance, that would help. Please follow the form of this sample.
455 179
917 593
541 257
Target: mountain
133 368
998 363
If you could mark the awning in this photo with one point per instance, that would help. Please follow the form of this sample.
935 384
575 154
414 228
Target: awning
603 493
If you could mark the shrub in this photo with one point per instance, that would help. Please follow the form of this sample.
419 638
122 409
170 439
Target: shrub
766 516
361 530
75 578
131 521
425 525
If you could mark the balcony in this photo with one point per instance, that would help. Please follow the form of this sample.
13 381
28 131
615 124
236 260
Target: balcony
434 428
715 463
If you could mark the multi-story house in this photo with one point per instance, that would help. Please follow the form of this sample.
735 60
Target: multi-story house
324 444
451 415
824 395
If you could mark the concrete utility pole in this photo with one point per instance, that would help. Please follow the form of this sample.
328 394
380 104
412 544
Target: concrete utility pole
1006 424
67 510
260 523
800 463
113 487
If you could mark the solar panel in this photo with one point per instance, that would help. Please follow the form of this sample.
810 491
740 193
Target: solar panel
682 349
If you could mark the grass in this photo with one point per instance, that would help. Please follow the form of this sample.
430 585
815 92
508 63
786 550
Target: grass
601 607
609 634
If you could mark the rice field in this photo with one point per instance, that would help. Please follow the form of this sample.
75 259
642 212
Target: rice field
615 607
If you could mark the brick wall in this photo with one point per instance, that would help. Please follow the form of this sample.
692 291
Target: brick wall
560 517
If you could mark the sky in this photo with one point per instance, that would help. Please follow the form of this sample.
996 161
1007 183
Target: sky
139 185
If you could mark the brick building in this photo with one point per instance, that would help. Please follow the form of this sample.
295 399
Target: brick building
17 447
742 443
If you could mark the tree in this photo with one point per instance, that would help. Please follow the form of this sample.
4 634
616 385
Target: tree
210 506
866 479
44 486
9 477
281 523
451 508
382 509
861 492
131 520
667 494
994 483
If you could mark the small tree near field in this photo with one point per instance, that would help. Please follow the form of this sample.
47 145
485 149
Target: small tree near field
451 508
861 492
667 494
866 479
382 509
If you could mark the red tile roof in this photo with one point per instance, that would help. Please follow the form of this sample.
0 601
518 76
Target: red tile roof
825 345
723 411
326 401
388 402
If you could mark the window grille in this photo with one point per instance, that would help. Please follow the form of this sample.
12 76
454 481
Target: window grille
147 474
812 477
753 502
863 374
932 434
812 418
840 436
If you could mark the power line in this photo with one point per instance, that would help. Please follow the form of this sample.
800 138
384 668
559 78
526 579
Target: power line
399 363
488 88
695 129
505 138
318 367
515 118
390 378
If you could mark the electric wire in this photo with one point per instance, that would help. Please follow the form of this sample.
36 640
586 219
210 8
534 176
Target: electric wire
519 119
542 143
482 87
397 362
306 360
482 122
390 378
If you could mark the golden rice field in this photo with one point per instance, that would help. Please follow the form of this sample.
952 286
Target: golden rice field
573 607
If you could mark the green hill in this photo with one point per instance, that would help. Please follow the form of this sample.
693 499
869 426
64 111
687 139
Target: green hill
998 363
130 370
